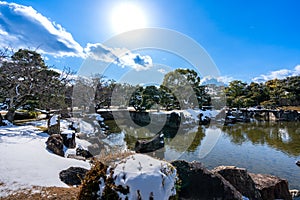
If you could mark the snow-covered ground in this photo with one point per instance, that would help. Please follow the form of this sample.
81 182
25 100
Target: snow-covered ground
25 161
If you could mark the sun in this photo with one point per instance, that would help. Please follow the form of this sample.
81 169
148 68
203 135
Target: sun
127 16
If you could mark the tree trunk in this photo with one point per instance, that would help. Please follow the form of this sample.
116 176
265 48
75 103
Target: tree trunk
10 115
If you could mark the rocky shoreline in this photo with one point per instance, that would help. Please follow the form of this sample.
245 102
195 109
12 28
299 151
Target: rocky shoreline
194 182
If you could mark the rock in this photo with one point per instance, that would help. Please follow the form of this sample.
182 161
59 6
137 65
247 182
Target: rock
54 125
199 183
145 146
271 187
173 120
295 193
84 153
135 176
95 149
55 144
72 175
74 126
240 179
69 139
1 121
81 136
76 157
298 163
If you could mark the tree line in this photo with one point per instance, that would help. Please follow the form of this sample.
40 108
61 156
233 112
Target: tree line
26 82
270 94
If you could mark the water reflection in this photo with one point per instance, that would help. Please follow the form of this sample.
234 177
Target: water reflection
284 136
260 147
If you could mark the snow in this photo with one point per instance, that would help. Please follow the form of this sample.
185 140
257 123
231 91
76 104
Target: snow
96 116
231 117
69 133
54 120
25 161
193 114
137 169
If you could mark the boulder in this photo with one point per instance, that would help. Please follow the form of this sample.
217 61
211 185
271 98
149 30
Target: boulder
69 139
73 175
199 183
55 144
240 179
145 146
173 120
295 193
1 121
96 148
271 187
73 156
135 176
54 125
84 153
74 126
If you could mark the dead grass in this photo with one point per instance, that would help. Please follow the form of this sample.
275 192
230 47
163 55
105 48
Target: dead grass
290 108
109 159
39 193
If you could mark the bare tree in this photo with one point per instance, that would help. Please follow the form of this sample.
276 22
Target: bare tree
25 77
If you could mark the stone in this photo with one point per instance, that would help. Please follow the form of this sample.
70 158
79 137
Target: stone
136 176
69 139
145 146
271 187
240 179
73 175
199 183
84 153
298 163
1 121
174 120
96 148
73 156
74 126
54 125
55 144
295 193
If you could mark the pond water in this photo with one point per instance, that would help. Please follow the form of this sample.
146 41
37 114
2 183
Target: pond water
260 147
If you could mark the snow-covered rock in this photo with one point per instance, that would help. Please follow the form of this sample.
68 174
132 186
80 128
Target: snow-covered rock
136 170
54 125
136 176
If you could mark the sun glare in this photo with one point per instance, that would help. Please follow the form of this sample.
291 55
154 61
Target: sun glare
127 16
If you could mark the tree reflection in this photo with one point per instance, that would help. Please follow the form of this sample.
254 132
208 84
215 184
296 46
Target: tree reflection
283 136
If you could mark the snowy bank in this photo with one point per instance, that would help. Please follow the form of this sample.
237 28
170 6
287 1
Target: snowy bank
25 161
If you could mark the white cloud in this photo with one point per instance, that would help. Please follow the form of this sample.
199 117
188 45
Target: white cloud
278 74
23 27
136 61
296 71
221 80
161 70
100 52
119 56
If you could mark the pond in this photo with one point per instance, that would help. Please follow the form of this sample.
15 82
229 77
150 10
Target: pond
260 147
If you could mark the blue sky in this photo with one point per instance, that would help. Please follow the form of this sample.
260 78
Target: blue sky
247 40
